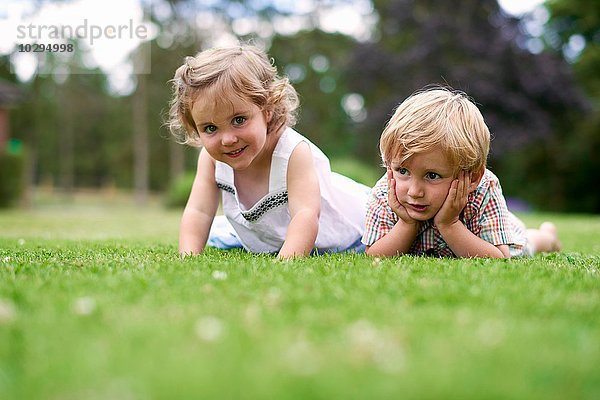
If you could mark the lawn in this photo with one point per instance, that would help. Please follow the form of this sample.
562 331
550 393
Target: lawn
95 303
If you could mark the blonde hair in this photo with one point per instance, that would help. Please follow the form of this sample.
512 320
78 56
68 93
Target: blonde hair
437 117
244 71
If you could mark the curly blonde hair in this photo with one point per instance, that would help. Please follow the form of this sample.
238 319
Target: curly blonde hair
437 116
244 71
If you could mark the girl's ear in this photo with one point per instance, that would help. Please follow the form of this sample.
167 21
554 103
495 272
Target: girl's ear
268 116
475 179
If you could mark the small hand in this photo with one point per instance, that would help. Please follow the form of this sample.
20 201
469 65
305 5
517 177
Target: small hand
455 202
393 201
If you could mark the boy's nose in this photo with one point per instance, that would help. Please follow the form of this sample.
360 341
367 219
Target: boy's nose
415 190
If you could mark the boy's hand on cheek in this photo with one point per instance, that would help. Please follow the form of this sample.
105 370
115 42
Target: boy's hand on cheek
393 201
455 201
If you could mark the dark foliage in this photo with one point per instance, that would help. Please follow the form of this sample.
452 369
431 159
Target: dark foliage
531 102
472 46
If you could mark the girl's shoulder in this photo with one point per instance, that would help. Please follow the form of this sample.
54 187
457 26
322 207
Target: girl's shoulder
288 141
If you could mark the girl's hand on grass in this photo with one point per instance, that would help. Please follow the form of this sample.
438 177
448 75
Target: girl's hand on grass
455 202
393 201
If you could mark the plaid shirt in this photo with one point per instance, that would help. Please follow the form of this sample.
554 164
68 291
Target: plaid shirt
485 214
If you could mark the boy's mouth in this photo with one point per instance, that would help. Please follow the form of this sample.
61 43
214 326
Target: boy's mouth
236 153
417 207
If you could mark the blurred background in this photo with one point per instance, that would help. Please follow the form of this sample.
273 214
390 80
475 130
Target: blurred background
92 120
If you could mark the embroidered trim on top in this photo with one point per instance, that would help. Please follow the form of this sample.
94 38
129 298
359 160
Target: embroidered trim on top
267 204
226 188
273 201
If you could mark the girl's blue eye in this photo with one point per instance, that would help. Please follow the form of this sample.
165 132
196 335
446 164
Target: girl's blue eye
402 171
433 175
239 120
210 129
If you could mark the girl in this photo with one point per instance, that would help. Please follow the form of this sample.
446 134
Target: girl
277 189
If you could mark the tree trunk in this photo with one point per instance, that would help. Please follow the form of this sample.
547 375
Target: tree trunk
177 160
140 134
66 148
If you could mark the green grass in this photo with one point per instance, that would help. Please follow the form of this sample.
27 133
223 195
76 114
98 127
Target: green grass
95 303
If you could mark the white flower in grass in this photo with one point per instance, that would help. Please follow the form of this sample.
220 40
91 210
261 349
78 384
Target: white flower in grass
6 259
209 328
380 347
84 306
253 317
491 333
376 262
219 275
273 297
21 242
302 358
7 312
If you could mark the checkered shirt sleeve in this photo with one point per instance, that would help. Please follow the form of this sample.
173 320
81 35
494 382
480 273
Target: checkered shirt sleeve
494 220
380 218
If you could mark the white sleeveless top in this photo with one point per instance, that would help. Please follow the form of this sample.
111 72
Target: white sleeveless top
263 227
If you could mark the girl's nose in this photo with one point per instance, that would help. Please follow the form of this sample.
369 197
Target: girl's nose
228 138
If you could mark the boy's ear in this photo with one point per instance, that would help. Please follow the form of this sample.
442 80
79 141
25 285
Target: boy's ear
475 179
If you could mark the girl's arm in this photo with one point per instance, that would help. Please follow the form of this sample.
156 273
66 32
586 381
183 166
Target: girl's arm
459 238
200 209
304 202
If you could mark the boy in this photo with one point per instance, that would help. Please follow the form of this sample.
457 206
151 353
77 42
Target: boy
437 197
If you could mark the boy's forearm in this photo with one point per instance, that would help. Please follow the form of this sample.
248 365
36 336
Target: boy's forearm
465 243
397 241
301 235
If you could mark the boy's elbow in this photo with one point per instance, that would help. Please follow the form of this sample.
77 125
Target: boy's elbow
377 251
504 251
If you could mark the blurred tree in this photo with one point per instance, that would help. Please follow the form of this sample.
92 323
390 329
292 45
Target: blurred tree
168 159
315 62
80 132
140 132
573 30
62 119
472 46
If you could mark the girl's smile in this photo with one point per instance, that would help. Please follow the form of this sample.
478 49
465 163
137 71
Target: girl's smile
236 153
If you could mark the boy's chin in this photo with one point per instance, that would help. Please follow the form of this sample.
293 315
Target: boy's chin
420 216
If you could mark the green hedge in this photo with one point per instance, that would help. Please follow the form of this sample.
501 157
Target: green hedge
179 191
367 174
12 181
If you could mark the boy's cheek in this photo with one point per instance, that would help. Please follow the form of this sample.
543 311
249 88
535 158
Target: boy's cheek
398 182
396 175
